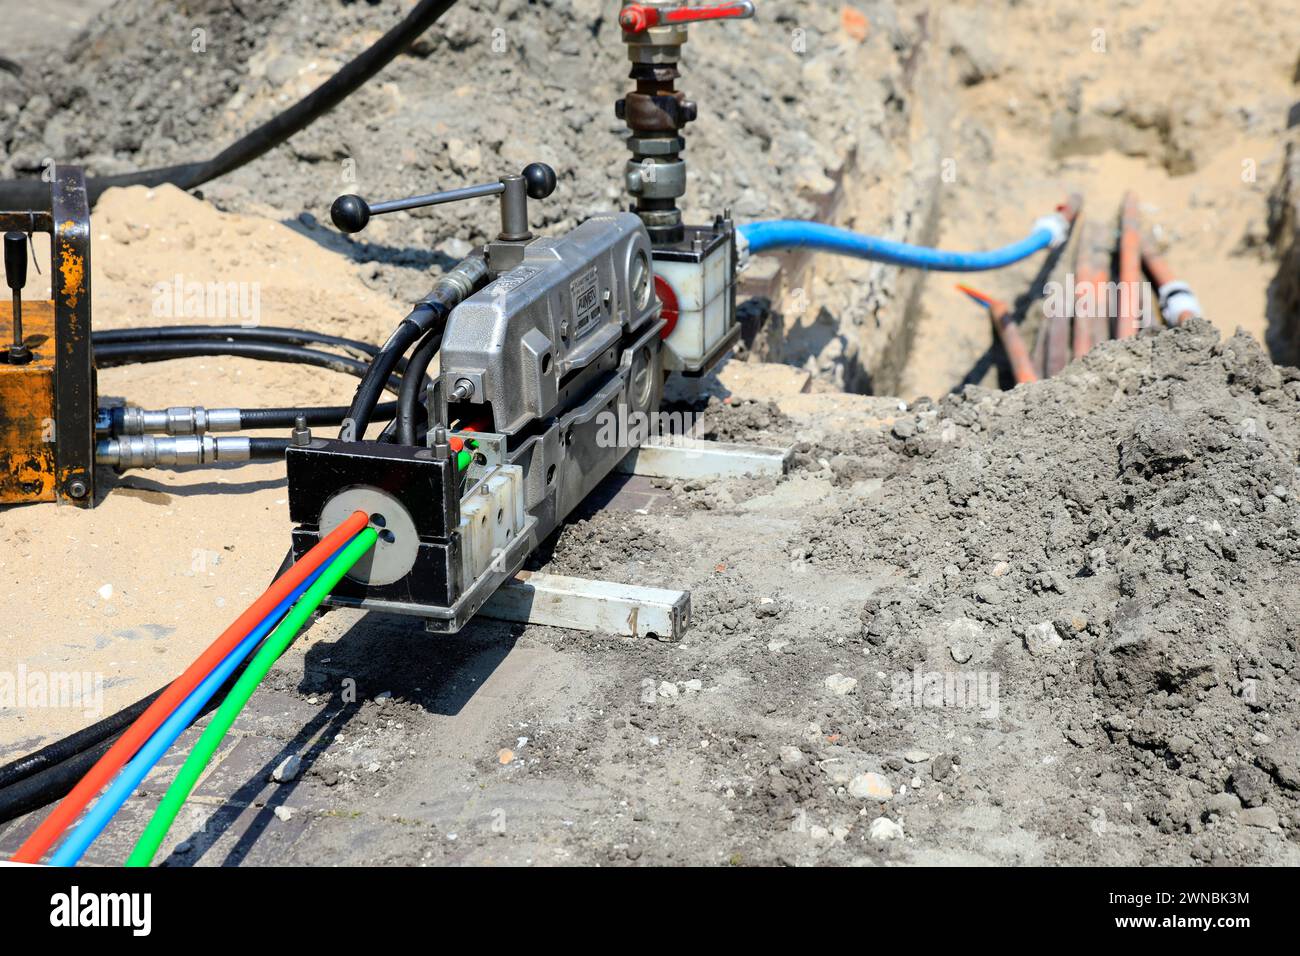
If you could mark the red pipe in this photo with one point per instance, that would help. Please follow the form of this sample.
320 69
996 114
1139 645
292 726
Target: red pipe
1008 333
1081 342
1130 268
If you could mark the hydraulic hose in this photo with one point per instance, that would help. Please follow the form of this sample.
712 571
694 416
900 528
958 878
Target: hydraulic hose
452 288
426 315
52 781
125 784
324 415
34 194
126 746
156 830
135 353
408 399
237 333
267 449
1050 230
69 746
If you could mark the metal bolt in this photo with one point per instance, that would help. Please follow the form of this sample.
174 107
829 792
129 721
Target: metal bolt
77 488
301 433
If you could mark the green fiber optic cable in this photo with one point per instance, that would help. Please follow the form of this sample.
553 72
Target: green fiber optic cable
230 708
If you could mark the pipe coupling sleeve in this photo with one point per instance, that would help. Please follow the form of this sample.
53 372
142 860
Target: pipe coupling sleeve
742 250
180 420
1057 225
147 451
1176 300
656 179
460 282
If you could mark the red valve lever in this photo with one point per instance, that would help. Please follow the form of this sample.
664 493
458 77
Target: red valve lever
638 17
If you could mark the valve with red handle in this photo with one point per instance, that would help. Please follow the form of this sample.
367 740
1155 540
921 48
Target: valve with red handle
638 17
656 112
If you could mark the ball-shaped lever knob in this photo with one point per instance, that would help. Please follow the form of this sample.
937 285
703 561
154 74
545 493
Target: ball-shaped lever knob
540 179
350 213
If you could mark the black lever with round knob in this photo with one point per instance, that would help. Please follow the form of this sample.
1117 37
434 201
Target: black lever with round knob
15 244
537 181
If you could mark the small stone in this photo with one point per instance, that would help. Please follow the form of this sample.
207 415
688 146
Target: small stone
283 70
1265 817
884 829
1042 638
1251 784
840 685
465 157
776 647
668 690
1224 804
904 428
941 767
870 786
284 813
692 686
964 635
791 756
989 593
288 769
915 756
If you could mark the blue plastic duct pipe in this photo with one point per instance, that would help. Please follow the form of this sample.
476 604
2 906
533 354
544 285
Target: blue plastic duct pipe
1050 230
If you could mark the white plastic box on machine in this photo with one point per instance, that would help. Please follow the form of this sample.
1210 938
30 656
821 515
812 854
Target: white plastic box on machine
703 306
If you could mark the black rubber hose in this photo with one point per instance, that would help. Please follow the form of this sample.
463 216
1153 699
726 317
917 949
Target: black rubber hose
408 398
135 353
35 194
73 744
236 333
426 315
324 415
267 449
53 782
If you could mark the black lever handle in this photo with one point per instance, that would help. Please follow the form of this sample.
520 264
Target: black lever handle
16 278
537 181
15 260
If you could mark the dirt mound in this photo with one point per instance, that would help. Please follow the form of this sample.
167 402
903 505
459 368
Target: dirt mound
494 85
1123 544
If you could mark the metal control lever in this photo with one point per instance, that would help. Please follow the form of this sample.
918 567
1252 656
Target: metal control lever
16 277
639 17
537 181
